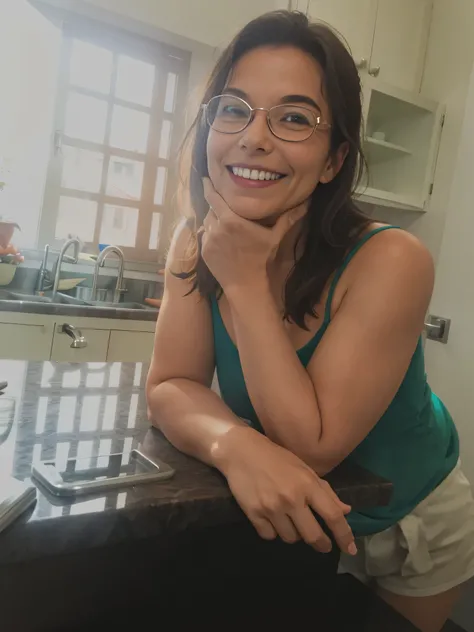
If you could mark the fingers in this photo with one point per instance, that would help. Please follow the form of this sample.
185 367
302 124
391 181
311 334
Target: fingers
345 508
333 515
264 528
310 530
289 219
285 528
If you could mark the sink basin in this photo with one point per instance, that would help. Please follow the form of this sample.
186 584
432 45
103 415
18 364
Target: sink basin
64 299
6 295
129 305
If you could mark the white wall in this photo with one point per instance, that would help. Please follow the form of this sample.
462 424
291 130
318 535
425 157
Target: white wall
449 60
29 47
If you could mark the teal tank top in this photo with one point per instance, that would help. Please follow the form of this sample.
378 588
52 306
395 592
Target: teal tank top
414 445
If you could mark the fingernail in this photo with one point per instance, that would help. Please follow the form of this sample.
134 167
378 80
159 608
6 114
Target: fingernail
352 549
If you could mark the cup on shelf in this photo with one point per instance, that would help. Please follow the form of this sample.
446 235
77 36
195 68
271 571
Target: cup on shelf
103 247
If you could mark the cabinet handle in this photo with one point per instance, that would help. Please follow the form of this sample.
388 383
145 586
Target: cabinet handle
374 71
78 340
361 64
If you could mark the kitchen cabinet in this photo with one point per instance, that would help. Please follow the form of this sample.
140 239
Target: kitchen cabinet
38 337
25 341
130 346
96 350
353 19
400 40
387 38
403 131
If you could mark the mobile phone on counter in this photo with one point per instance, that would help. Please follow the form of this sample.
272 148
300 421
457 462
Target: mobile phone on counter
15 498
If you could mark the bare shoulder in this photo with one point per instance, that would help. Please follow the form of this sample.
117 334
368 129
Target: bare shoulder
398 255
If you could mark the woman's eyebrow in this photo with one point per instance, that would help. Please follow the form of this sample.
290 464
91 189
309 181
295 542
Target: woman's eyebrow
289 98
300 98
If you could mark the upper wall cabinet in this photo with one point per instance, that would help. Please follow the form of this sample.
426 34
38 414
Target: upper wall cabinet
400 40
354 19
388 38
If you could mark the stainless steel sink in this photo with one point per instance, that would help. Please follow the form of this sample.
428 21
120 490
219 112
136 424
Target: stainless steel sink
6 295
129 305
64 299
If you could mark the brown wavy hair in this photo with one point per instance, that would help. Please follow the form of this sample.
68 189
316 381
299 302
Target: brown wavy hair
333 222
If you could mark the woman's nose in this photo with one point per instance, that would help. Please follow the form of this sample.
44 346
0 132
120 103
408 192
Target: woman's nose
257 135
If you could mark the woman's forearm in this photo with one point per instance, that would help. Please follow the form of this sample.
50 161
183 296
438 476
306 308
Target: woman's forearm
279 387
193 418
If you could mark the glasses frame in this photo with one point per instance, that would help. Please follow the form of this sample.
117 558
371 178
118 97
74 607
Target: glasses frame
318 125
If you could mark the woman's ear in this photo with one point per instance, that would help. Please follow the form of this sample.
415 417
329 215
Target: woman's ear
334 163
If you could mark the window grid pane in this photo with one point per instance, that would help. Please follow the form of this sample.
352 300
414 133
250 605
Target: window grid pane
103 173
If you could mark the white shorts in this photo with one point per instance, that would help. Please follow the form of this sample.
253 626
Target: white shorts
429 551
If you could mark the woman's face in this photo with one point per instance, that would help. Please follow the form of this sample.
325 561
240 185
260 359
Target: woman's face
266 77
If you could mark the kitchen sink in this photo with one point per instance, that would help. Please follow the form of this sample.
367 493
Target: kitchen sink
64 299
129 305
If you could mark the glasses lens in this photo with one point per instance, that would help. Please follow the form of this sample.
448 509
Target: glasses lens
292 122
228 114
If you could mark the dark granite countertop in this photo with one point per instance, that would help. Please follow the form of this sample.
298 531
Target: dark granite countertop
67 410
88 311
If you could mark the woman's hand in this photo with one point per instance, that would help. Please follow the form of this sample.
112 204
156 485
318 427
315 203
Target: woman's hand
277 492
237 251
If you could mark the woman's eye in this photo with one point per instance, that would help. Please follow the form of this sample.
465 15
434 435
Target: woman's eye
295 118
234 111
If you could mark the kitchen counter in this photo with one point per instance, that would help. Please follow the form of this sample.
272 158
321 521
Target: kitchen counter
88 311
67 410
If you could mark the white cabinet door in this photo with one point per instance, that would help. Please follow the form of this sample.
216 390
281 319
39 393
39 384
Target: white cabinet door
96 350
354 19
25 342
130 346
401 36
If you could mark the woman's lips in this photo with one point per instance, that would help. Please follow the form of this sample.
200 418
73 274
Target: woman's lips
252 184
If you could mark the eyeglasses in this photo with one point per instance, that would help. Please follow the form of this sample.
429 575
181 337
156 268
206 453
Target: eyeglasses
228 114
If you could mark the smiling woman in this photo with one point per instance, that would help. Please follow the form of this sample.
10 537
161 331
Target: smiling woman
312 316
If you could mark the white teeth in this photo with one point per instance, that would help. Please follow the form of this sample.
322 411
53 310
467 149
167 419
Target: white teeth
255 174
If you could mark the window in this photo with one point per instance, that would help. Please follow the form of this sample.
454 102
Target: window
118 120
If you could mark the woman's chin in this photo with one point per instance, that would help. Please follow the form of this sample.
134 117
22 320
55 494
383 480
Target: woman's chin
256 214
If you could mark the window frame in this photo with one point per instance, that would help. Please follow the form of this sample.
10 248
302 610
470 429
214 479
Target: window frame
167 59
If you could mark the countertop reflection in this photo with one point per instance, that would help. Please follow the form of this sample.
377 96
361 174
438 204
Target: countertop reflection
83 410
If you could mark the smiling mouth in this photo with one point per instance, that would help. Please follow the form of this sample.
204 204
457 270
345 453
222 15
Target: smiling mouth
255 174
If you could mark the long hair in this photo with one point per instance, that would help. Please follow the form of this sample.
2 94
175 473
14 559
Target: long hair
333 221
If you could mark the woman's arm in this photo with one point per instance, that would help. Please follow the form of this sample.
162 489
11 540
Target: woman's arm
322 413
180 401
273 487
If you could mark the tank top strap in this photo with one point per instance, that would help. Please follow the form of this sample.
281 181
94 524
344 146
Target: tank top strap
345 263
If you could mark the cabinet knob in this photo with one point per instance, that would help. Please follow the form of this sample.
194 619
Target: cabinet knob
361 64
374 71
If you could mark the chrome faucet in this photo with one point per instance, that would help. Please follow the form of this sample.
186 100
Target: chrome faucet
100 264
42 271
77 247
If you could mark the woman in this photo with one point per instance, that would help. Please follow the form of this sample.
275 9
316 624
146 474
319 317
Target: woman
312 314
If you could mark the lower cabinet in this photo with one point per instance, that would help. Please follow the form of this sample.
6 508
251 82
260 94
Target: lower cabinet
37 337
130 346
96 350
25 342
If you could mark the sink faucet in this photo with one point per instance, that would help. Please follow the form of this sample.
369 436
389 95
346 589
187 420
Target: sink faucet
100 263
77 247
